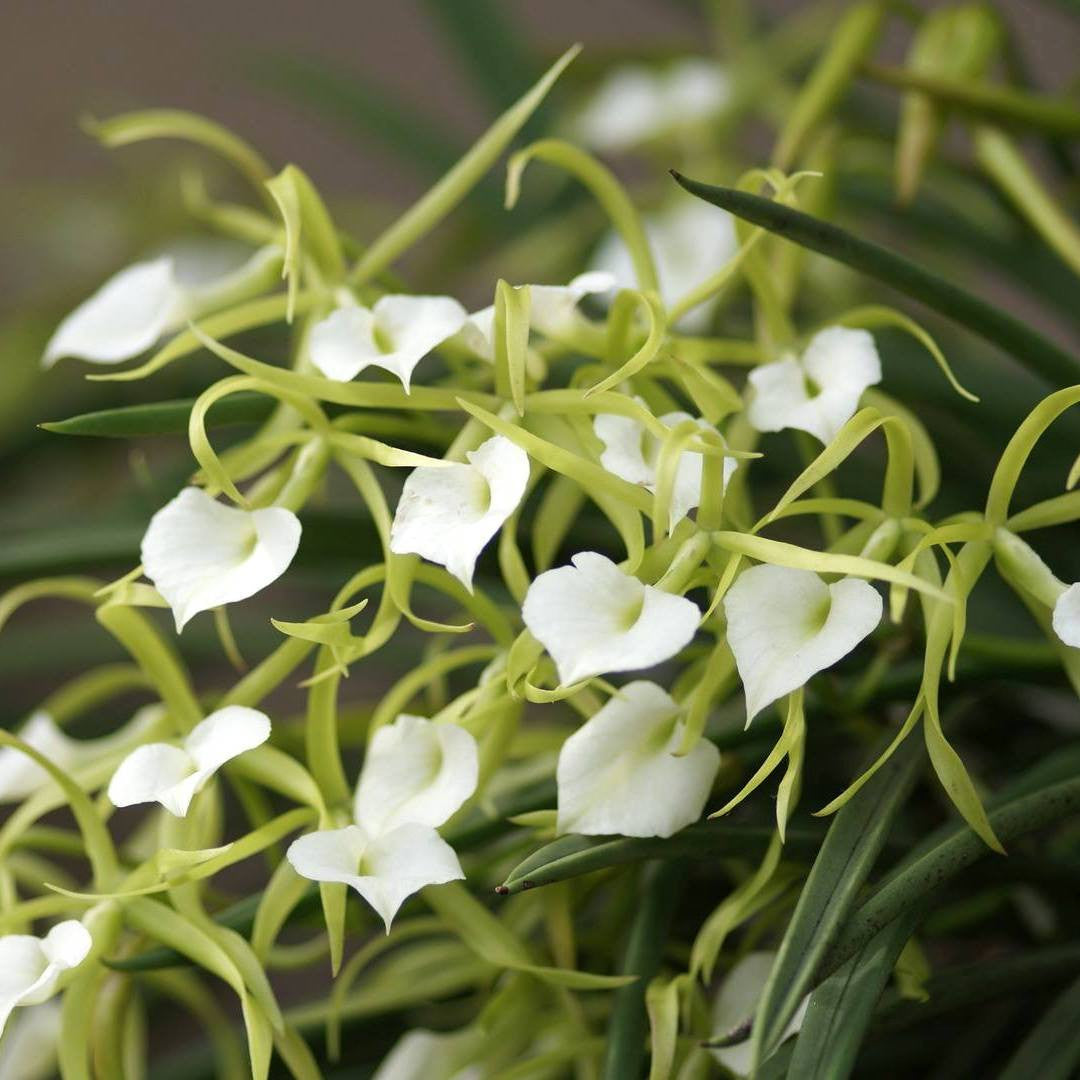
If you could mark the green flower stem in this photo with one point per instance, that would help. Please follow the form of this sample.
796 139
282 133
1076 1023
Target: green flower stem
307 474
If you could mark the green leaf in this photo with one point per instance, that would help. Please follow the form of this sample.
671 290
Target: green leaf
1030 348
945 854
162 418
847 856
573 856
1001 104
441 199
629 1024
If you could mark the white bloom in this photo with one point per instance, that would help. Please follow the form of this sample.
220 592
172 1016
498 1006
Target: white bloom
135 307
552 311
395 334
29 1050
429 1055
1066 620
819 391
785 625
200 553
448 513
594 618
690 240
416 774
736 1004
415 771
31 966
636 103
173 775
632 452
21 776
618 773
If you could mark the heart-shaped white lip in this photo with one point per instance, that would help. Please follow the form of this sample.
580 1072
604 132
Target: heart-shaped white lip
785 625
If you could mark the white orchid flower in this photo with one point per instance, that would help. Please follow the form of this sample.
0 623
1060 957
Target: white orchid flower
21 776
618 772
636 103
632 452
690 240
173 775
430 1055
395 335
30 967
594 618
736 1004
200 553
819 391
29 1048
552 311
785 625
448 513
1066 618
415 776
143 302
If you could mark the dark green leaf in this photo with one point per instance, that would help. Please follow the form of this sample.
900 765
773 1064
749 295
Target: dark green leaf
1030 348
164 417
629 1024
851 847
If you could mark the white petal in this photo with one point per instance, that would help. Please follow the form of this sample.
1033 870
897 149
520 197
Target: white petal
618 773
29 1050
478 333
343 344
1066 619
415 771
427 1055
625 110
553 308
785 625
449 513
200 553
593 618
226 734
411 326
737 1002
30 966
123 318
629 450
156 772
402 862
385 870
819 392
20 775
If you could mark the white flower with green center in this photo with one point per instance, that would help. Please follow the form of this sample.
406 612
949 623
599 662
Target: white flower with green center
395 335
448 513
1066 617
21 776
593 618
618 772
172 775
786 625
819 391
632 452
553 311
200 553
143 302
736 1004
30 967
636 103
416 775
690 240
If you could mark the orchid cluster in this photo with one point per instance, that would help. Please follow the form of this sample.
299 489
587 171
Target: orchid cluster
597 600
